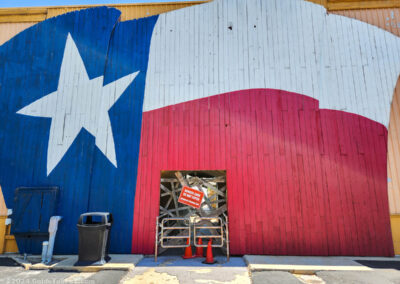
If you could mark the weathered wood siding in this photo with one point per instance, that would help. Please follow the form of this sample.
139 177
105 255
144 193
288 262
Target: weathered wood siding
387 19
300 180
8 30
228 46
296 111
334 5
15 20
128 11
52 136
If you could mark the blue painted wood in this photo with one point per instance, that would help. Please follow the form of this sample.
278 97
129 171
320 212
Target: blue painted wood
29 69
32 210
115 191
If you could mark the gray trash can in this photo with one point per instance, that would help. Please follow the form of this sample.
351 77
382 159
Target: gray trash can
94 230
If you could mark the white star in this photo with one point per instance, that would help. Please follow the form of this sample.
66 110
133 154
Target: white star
78 103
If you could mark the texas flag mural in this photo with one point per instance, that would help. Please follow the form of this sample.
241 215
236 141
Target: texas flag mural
292 102
72 89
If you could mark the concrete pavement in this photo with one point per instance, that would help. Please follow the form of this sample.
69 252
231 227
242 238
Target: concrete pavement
123 262
377 276
19 275
303 264
273 277
174 270
260 269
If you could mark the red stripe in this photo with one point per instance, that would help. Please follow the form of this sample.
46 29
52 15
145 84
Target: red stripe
301 181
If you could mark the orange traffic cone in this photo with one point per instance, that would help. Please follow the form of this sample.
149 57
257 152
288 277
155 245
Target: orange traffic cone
209 255
188 251
199 250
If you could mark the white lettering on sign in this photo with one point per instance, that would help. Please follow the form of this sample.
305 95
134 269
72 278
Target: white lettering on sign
191 197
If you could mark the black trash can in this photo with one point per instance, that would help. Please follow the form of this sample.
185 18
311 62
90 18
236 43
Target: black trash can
94 230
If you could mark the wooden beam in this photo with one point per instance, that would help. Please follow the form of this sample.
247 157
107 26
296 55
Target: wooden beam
353 5
165 189
38 14
169 180
181 179
208 185
335 5
217 212
175 199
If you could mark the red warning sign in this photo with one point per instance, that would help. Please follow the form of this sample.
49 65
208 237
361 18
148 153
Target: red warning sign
191 197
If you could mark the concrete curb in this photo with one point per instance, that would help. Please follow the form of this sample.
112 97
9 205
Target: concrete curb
254 263
125 262
307 264
33 262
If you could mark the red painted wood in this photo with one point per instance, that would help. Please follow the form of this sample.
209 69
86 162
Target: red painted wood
301 180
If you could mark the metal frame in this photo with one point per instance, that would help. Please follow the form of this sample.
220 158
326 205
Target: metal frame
219 236
167 229
164 230
172 210
227 236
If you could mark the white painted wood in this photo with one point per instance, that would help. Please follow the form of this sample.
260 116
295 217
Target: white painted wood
79 102
296 46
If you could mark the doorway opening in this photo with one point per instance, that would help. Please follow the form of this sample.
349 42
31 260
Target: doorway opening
180 223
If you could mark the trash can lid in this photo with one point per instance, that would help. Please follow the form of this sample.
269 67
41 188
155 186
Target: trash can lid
106 217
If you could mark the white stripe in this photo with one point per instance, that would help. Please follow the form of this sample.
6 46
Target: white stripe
296 46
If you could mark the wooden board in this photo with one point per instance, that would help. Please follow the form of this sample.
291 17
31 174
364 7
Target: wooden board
301 180
333 5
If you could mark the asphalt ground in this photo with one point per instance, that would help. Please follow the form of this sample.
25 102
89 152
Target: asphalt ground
18 275
173 270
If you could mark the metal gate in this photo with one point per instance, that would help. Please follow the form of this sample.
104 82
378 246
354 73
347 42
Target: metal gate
174 232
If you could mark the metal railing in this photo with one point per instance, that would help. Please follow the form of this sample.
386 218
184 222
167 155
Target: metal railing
220 231
226 224
217 235
166 229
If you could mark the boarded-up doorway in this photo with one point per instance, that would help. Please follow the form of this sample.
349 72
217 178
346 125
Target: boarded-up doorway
211 183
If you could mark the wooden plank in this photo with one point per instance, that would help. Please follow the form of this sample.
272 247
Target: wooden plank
335 5
129 11
349 5
181 179
3 207
208 185
320 208
175 197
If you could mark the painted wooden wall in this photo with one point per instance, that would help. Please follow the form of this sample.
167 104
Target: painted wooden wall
347 65
8 30
132 11
300 180
128 11
3 207
388 19
327 106
323 58
71 99
337 5
394 154
14 21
